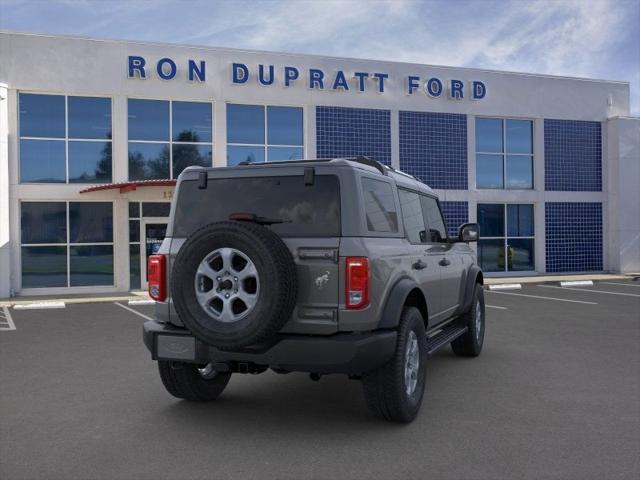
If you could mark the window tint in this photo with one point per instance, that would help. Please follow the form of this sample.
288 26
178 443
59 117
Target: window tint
520 220
380 207
489 135
41 115
90 222
284 153
186 155
237 154
148 160
412 217
491 220
519 136
489 171
284 125
89 162
308 210
245 124
89 117
43 222
44 267
91 265
148 120
156 209
134 210
519 172
433 219
191 122
42 161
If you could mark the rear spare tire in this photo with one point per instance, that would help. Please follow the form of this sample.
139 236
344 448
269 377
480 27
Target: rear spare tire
234 284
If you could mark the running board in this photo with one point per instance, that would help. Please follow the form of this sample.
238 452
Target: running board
444 337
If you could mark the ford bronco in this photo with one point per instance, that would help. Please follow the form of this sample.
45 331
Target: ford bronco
320 266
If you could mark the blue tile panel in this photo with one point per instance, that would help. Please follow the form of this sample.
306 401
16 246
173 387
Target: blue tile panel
347 132
573 236
572 156
433 147
455 214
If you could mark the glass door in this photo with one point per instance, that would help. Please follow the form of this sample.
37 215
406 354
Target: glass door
153 233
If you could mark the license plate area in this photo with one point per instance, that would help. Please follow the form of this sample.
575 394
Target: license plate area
175 347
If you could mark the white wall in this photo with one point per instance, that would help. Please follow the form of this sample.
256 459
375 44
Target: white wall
5 245
623 156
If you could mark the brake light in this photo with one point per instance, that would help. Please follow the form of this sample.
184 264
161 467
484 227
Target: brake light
156 277
357 282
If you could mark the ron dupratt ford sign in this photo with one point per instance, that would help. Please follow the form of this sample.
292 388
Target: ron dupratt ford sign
313 78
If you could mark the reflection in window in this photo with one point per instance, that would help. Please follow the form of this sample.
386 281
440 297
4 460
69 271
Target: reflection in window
380 206
49 128
412 217
514 251
167 137
148 161
89 162
504 153
246 128
58 235
433 219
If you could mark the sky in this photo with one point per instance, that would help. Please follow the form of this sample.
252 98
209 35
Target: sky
579 38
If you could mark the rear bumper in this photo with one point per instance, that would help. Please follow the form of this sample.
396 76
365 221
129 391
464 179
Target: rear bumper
340 353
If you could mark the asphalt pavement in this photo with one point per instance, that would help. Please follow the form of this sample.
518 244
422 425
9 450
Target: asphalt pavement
554 395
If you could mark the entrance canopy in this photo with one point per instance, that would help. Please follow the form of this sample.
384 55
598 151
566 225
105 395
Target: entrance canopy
125 187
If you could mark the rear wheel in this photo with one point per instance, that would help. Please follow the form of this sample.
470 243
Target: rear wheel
192 382
394 391
470 344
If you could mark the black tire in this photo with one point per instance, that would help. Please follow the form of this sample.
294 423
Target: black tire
470 344
277 293
385 389
183 380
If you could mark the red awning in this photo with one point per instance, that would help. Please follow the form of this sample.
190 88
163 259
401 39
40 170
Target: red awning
130 186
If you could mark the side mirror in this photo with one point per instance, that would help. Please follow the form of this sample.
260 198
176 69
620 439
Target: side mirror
469 232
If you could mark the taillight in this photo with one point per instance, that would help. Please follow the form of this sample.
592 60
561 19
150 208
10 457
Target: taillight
357 282
156 277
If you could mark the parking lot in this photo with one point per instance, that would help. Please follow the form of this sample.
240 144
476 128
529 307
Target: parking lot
555 394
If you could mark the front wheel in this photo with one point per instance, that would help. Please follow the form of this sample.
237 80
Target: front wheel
192 382
470 344
395 390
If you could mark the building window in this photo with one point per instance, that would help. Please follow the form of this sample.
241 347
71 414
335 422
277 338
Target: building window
166 137
256 133
65 139
506 237
66 244
504 153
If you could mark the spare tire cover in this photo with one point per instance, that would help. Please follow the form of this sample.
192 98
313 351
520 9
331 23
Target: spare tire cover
234 284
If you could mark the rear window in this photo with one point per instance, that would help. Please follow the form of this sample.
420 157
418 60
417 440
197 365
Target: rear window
308 210
380 206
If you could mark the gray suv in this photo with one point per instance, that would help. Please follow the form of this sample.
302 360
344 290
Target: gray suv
318 266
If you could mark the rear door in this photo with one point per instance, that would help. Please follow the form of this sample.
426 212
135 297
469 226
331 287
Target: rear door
424 266
443 252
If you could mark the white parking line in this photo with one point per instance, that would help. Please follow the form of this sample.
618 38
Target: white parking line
133 311
544 298
7 322
496 307
38 305
591 290
622 284
141 302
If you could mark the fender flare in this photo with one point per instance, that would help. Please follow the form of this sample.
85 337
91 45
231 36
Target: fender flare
474 275
395 302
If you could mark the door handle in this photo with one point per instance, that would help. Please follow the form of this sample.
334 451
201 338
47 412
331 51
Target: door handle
444 262
419 265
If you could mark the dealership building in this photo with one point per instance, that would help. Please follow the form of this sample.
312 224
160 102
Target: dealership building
93 134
